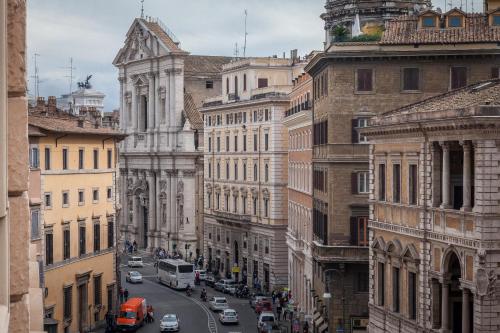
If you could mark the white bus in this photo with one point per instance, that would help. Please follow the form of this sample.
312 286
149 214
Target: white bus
176 273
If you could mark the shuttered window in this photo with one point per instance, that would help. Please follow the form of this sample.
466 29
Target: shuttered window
411 79
364 79
458 77
67 300
396 183
412 295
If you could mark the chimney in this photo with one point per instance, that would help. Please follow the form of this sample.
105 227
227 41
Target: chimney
80 121
52 105
40 103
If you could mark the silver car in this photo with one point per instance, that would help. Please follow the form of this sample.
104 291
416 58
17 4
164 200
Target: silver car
228 316
134 277
169 323
218 303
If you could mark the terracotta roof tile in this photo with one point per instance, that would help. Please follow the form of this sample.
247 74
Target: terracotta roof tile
192 113
404 30
200 64
162 35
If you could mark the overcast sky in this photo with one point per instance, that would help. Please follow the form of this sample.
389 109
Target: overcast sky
92 32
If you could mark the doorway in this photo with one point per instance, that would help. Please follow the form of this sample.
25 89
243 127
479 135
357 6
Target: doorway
82 307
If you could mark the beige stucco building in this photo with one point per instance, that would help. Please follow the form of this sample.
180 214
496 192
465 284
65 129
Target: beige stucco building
298 120
21 307
434 253
72 191
245 160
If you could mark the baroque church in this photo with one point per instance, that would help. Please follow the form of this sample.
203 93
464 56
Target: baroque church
161 159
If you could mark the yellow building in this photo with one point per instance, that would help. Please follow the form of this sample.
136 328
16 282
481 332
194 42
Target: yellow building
76 158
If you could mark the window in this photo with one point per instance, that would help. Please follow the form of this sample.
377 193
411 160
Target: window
255 142
47 158
82 240
227 143
458 77
218 143
362 282
67 300
266 114
244 205
110 158
97 237
235 143
266 141
359 230
495 21
81 153
218 170
96 159
413 184
320 132
65 199
226 202
236 86
266 173
396 183
319 180
266 207
244 171
455 21
364 81
244 117
255 207
235 170
97 290
412 295
209 84
245 142
357 124
81 197
209 169
381 182
49 251
95 195
35 224
255 176
262 83
109 192
381 283
66 243
65 158
429 21
217 196
395 289
255 116
227 170
48 200
320 222
227 85
411 79
210 144
34 158
235 204
362 182
244 82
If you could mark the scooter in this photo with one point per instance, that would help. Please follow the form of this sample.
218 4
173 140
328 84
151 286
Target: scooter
203 297
189 292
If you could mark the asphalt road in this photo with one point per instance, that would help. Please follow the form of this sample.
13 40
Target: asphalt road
194 315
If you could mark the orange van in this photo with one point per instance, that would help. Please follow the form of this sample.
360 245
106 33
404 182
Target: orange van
132 314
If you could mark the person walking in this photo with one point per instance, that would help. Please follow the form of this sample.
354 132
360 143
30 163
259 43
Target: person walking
121 294
273 296
278 311
125 294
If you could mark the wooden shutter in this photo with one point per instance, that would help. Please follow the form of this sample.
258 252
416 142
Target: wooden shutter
354 131
494 72
354 230
354 183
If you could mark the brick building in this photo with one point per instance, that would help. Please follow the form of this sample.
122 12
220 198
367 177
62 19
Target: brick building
434 214
417 57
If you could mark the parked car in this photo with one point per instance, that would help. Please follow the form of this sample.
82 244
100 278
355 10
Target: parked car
228 316
203 274
135 262
230 287
223 283
170 323
255 298
218 303
134 277
263 306
131 315
266 321
210 281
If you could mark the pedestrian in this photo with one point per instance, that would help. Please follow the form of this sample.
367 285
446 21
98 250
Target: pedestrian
125 294
285 313
135 246
273 296
278 311
121 294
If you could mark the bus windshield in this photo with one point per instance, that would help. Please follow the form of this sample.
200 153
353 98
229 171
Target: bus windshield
185 268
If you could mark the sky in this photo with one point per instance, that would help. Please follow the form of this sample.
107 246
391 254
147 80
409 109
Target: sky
92 32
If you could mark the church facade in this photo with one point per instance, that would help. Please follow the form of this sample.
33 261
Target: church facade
161 160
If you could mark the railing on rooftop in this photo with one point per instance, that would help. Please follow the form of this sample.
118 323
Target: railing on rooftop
169 32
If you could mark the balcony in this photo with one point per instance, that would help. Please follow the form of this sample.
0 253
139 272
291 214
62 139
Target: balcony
298 108
230 217
212 101
346 254
271 91
341 151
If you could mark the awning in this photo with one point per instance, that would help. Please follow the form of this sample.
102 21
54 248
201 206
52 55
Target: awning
316 315
323 328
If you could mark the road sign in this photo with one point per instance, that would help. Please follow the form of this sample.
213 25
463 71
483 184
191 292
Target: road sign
235 269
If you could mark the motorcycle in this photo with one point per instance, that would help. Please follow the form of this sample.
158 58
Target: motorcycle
203 297
189 292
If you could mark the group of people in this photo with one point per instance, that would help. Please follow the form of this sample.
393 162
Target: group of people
149 314
282 300
123 294
130 247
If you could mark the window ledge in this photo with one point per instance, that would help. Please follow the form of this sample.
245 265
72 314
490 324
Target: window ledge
411 92
364 92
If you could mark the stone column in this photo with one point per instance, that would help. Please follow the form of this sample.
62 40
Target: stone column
157 102
465 311
133 109
467 176
123 103
151 101
152 201
445 306
167 99
171 81
446 175
135 206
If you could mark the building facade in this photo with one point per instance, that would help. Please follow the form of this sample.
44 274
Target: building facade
76 161
21 304
298 120
161 165
353 82
245 158
83 98
434 216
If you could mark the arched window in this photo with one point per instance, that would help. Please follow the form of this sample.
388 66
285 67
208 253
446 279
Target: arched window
266 207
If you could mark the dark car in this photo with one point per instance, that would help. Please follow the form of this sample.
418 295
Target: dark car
263 306
210 281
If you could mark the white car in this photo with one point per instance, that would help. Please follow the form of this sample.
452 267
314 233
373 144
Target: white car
203 274
135 262
266 321
169 323
228 316
218 303
134 277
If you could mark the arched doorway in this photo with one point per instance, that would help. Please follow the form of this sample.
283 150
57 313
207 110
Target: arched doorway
452 293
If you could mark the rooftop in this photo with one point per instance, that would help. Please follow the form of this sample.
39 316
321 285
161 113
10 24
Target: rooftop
204 65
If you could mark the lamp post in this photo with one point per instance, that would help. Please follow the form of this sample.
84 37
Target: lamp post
327 295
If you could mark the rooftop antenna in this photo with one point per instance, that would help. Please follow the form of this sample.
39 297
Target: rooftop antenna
142 9
36 77
236 51
70 76
246 34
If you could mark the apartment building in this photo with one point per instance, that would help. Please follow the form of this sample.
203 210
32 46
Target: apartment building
76 160
416 57
245 160
298 120
434 214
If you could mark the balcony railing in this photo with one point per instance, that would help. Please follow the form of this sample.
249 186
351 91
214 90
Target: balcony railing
325 253
233 217
296 109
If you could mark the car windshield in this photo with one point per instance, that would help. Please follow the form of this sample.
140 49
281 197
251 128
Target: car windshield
220 301
230 313
136 259
170 319
135 274
185 268
127 314
267 318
